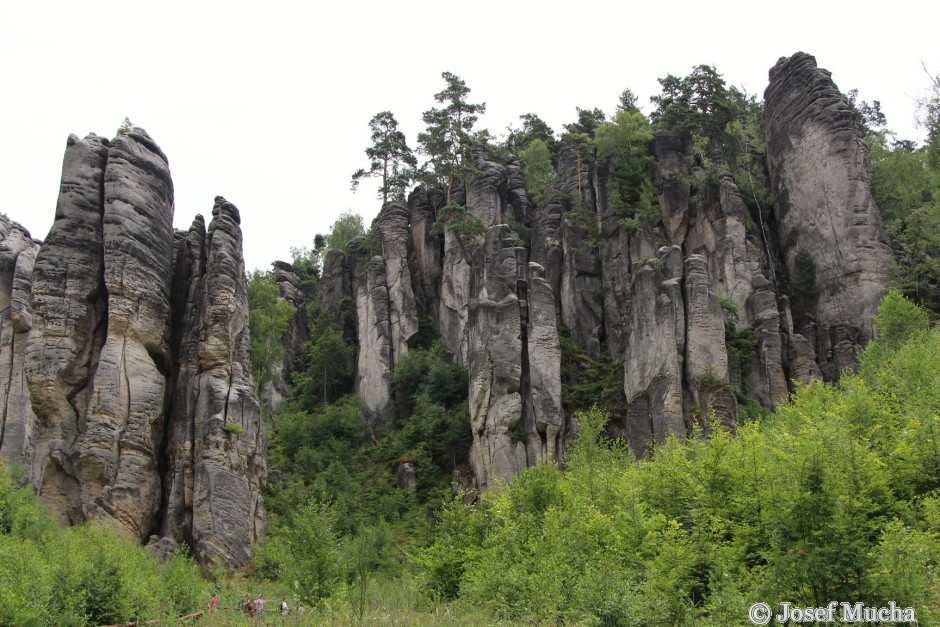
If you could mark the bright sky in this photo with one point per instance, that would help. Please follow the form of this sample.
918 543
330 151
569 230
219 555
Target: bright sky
268 103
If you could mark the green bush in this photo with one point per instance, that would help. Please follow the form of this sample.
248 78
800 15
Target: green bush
833 496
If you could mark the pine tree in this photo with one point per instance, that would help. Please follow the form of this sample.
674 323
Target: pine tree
389 157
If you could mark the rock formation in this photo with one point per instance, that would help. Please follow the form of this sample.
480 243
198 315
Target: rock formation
124 347
17 421
130 398
825 214
697 308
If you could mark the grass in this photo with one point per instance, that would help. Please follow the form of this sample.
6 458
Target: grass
387 602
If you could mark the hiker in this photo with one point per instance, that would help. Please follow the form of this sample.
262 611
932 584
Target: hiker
259 604
284 609
247 606
213 602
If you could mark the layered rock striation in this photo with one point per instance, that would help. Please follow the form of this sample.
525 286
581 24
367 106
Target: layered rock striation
130 400
126 387
696 309
831 236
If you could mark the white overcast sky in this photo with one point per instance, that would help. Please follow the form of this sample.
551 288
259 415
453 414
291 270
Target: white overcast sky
268 103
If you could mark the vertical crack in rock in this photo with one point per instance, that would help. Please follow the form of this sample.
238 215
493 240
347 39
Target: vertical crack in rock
17 420
68 310
137 342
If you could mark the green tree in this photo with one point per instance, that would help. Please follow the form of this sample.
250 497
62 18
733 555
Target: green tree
467 228
537 169
327 358
347 226
930 119
627 101
804 285
906 188
623 144
702 104
389 157
588 121
268 317
314 549
869 116
533 128
126 125
306 264
448 135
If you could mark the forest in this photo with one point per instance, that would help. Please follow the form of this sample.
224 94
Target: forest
833 495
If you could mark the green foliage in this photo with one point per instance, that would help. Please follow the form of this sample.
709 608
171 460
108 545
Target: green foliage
703 105
306 264
448 136
586 382
326 365
85 575
804 287
428 372
468 228
868 116
627 101
906 188
430 398
389 157
537 168
833 496
314 551
930 119
623 144
233 428
740 343
347 226
268 317
533 129
588 121
898 321
126 126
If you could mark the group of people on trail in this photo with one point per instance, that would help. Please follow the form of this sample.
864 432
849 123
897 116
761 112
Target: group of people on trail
254 607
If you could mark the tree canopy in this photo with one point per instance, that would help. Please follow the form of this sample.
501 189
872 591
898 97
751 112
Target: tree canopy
347 226
447 137
389 157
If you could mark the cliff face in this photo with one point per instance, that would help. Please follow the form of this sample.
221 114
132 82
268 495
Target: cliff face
129 399
657 299
125 390
827 219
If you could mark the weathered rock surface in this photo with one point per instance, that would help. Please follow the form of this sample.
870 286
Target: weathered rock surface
696 309
374 366
392 228
132 341
495 349
228 448
820 175
17 421
294 337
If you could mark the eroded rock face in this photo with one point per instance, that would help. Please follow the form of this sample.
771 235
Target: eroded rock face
294 337
820 175
17 421
696 309
392 228
132 341
228 445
